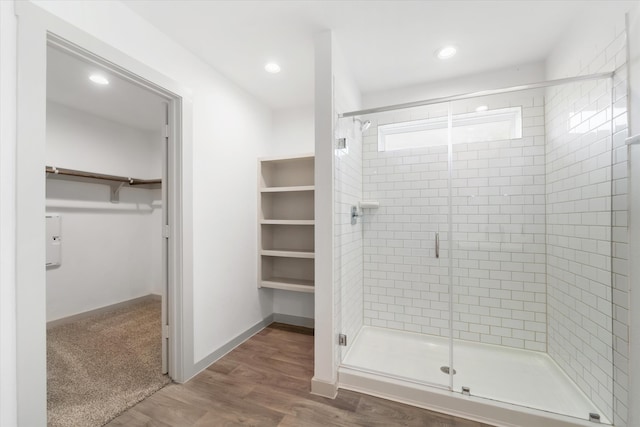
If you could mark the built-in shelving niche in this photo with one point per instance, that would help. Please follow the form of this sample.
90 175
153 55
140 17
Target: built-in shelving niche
286 221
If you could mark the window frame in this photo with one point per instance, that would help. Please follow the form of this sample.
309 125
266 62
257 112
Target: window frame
512 114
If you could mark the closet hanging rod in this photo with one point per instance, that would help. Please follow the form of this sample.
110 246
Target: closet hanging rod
104 177
432 101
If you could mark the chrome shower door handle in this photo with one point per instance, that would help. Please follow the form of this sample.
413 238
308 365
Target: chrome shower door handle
437 245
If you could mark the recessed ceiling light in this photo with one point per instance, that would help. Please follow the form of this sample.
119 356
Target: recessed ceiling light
482 108
99 79
272 68
446 52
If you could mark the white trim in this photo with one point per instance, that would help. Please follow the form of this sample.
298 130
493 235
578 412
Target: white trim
226 348
31 369
324 388
512 114
8 68
34 26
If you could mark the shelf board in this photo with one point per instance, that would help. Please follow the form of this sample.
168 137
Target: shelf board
288 221
297 285
288 253
284 159
287 189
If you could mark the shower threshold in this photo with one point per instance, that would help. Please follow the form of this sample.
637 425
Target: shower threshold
508 386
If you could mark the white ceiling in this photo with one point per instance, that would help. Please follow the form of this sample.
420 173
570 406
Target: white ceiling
120 101
388 44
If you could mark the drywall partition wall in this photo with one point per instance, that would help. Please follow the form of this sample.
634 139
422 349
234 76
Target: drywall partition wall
497 224
325 375
333 86
224 274
292 135
218 175
110 252
7 215
596 43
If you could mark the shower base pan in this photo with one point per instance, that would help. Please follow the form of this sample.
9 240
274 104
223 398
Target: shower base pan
507 386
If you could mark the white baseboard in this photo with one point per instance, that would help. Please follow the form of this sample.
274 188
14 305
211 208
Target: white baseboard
294 320
229 346
324 388
205 362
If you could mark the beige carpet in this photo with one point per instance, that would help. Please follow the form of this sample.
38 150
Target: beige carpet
103 365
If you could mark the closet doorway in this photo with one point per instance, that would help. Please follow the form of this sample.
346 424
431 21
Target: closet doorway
107 230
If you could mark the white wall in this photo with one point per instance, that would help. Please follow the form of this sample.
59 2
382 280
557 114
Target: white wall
579 234
293 133
230 129
324 379
79 140
8 409
496 79
596 43
335 92
110 252
592 32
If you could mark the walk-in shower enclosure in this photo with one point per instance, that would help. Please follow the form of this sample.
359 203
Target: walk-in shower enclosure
486 247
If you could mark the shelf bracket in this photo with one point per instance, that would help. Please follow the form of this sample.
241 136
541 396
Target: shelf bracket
115 191
53 170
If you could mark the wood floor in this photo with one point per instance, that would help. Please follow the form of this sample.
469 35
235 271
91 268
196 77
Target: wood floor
266 382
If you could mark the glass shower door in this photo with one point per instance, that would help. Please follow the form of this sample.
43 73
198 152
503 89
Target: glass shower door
531 256
498 220
405 330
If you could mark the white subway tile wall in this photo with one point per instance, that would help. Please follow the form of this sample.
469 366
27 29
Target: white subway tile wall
498 226
587 232
498 198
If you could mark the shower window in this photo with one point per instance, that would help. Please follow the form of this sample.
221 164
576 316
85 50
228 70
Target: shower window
481 126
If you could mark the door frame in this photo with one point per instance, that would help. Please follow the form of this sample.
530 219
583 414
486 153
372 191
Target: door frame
36 29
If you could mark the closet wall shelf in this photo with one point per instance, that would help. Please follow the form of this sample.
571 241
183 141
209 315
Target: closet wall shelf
288 253
287 284
288 221
114 181
287 189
